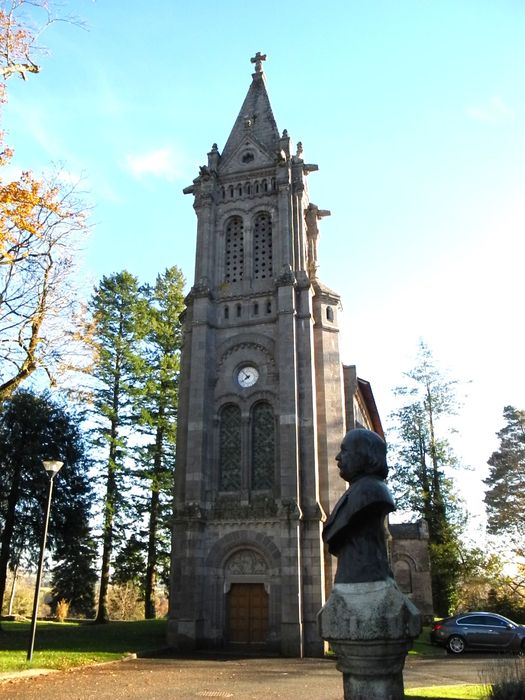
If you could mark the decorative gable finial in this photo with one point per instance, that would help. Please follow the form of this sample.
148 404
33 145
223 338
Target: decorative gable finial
258 59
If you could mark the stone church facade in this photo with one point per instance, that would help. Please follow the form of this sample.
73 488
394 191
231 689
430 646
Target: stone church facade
263 401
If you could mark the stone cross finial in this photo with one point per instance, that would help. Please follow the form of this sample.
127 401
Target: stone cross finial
258 59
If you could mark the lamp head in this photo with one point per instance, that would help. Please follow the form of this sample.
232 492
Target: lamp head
52 466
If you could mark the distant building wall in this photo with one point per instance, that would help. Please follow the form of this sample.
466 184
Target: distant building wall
411 564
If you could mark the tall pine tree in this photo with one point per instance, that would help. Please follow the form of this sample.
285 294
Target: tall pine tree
505 496
423 456
158 403
118 312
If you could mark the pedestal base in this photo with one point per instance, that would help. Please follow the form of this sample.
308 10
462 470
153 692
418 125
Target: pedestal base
370 627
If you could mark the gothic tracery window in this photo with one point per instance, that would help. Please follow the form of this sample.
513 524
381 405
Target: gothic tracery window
262 246
263 446
230 448
234 250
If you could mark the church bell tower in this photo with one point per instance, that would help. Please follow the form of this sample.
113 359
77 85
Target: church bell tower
261 406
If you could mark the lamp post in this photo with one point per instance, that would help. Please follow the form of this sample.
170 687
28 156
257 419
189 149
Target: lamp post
52 468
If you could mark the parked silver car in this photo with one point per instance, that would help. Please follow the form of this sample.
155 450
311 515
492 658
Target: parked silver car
478 630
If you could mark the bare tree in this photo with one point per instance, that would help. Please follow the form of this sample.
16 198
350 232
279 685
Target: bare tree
37 266
39 226
21 24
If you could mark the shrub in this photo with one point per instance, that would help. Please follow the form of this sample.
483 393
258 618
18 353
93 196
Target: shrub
62 610
125 602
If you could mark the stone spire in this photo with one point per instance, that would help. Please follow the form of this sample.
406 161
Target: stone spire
255 120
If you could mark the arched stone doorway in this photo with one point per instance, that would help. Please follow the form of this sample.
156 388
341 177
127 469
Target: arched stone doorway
247 598
249 558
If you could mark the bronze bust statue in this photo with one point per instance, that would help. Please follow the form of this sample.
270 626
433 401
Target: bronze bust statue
355 531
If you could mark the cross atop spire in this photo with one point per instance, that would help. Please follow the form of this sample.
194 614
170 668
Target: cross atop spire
258 59
255 118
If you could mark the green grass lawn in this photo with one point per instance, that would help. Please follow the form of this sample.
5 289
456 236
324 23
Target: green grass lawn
448 692
423 647
68 644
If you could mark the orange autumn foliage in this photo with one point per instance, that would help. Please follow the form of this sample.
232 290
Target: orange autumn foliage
20 200
17 37
24 204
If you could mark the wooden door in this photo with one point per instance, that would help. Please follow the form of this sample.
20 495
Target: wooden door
247 613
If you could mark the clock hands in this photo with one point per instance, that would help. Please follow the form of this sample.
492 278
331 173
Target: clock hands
247 376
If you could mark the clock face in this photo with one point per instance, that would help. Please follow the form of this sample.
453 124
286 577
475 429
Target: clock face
247 376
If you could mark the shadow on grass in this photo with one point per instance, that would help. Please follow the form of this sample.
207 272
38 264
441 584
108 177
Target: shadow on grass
118 637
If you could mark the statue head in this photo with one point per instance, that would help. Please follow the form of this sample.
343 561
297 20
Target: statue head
363 453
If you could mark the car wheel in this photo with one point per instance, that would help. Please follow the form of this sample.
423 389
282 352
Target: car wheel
455 645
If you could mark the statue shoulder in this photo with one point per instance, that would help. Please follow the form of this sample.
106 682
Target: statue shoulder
368 490
363 493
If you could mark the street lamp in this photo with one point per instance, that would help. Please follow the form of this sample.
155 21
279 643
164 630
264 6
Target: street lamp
52 468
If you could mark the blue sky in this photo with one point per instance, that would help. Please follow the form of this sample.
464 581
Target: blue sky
413 110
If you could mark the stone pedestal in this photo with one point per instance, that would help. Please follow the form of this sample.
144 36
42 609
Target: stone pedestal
370 627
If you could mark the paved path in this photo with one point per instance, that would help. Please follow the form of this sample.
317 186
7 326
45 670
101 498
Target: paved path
228 677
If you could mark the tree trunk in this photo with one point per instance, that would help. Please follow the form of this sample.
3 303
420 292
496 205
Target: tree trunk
111 495
151 567
13 591
102 612
7 532
111 490
149 588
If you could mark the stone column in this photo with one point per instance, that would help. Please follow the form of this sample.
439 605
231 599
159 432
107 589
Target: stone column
370 627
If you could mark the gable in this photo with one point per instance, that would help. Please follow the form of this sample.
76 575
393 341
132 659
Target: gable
247 158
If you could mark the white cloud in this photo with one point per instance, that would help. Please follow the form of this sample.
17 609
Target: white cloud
495 111
161 162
